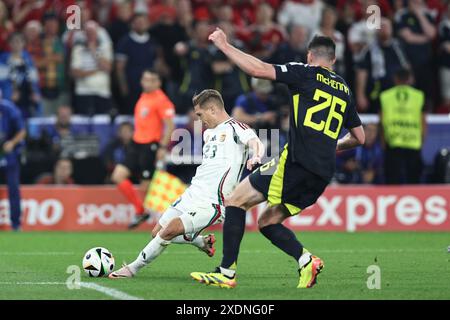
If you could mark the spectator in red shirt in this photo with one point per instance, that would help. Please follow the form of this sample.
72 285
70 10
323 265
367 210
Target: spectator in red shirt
62 174
264 35
244 12
6 27
164 10
27 10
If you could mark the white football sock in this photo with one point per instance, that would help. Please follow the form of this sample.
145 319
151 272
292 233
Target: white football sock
153 249
227 272
198 242
304 259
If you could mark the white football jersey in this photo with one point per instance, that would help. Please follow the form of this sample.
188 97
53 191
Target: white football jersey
225 154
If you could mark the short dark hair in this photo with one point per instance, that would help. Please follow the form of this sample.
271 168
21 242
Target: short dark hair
152 71
138 14
206 96
49 15
403 75
126 124
322 46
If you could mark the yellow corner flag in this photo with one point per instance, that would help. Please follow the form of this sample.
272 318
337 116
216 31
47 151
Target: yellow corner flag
164 189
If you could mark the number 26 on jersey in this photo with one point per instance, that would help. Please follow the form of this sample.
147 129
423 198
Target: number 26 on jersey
335 104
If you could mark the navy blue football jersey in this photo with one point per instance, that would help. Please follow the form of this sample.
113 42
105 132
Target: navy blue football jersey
322 104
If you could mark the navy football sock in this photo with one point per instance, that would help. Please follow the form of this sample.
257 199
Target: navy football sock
284 239
233 231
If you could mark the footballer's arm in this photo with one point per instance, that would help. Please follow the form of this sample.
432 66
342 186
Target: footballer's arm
258 149
247 63
356 137
169 126
9 145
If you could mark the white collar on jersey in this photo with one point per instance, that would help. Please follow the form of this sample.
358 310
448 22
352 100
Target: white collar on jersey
140 38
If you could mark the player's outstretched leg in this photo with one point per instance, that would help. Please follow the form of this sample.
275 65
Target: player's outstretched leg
203 243
242 198
270 226
153 249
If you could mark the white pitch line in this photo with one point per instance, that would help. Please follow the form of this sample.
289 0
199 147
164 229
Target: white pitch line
12 253
113 293
32 283
38 253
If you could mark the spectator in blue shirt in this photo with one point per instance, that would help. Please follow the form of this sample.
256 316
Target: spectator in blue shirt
364 164
348 170
19 78
12 135
62 129
370 156
256 108
115 151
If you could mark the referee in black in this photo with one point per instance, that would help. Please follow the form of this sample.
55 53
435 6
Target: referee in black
321 105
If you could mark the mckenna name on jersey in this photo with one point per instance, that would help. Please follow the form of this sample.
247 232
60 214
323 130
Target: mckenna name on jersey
322 104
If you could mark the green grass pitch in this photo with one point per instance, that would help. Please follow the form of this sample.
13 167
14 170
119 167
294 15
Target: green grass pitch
413 266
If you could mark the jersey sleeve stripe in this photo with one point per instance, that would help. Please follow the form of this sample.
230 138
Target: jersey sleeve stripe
240 124
244 124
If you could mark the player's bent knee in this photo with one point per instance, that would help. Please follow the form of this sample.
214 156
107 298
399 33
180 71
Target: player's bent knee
173 229
239 200
244 196
263 222
235 201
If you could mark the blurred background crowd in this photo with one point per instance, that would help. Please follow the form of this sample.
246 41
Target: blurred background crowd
77 88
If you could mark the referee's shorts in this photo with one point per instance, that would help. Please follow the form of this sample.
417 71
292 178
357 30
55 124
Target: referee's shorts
287 183
140 159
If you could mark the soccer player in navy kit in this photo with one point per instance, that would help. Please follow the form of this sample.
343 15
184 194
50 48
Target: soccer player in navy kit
321 105
12 135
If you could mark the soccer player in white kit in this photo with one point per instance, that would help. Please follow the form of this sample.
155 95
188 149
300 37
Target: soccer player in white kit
225 152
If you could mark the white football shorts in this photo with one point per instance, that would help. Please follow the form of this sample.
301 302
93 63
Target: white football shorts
196 215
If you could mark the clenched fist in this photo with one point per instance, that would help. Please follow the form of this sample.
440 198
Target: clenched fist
253 162
219 38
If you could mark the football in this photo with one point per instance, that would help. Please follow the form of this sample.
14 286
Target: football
98 262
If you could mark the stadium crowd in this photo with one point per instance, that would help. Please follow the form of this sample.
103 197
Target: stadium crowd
50 69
